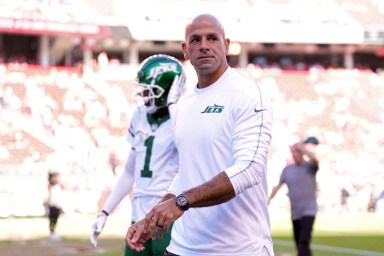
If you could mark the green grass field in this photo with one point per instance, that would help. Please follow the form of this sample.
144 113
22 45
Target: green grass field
342 235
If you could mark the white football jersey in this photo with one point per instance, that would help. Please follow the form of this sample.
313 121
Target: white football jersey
156 161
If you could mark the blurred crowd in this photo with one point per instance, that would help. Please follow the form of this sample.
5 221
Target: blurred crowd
75 122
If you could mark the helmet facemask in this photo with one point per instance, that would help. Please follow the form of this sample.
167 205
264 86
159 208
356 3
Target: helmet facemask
149 94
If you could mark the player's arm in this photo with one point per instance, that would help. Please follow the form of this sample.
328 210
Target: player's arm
216 191
251 140
274 191
123 186
311 155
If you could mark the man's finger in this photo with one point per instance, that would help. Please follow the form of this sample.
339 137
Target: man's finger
129 234
134 240
160 230
165 226
153 231
147 221
154 227
135 237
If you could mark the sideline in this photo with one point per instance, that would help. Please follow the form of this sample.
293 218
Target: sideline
327 248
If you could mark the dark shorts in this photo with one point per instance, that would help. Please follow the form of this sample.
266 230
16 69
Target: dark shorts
54 212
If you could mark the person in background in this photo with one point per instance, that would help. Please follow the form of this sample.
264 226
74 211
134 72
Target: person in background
300 178
218 202
153 160
54 203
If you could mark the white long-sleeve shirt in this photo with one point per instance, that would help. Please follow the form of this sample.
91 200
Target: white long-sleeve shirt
225 127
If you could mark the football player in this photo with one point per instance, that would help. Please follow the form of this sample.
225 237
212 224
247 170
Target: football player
153 160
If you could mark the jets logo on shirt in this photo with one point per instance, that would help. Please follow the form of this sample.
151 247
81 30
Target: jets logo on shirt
213 109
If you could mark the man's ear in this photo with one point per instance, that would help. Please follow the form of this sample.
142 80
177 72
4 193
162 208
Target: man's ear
227 42
185 53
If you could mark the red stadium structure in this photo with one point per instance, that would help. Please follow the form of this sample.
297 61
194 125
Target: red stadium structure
332 33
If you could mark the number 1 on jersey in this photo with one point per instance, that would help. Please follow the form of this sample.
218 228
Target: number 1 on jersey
146 172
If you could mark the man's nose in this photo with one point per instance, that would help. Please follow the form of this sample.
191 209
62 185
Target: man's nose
204 44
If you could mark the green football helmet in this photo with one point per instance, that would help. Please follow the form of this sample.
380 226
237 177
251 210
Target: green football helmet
155 78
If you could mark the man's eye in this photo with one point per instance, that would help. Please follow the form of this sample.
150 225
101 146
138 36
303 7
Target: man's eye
212 38
194 40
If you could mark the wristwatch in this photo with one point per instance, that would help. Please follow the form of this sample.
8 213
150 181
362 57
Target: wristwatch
182 202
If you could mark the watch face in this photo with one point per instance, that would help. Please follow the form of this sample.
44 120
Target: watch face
182 201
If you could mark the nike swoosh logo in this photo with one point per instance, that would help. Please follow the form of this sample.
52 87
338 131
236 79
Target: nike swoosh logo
258 110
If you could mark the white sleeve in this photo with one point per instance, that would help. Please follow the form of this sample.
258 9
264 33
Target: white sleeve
175 186
124 184
252 136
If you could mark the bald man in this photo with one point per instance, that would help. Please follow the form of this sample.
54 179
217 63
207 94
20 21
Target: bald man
218 200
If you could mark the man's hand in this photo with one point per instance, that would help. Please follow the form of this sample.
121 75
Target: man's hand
136 236
161 217
97 228
176 89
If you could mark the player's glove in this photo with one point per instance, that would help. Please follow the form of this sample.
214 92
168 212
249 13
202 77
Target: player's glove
176 89
98 227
